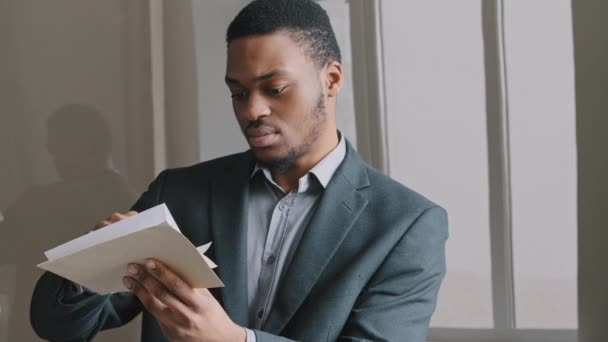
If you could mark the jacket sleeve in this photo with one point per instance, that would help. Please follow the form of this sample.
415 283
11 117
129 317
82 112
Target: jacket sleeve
61 310
262 336
400 299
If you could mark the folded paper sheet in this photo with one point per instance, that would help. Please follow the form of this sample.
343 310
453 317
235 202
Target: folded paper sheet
99 260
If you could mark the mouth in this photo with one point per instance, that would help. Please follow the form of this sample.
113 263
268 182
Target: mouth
262 140
261 136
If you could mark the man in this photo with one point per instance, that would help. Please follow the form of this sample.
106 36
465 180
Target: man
311 243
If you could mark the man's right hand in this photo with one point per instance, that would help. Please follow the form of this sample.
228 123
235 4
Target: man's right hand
115 217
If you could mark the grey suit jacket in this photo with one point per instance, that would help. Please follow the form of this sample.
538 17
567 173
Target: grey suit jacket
368 267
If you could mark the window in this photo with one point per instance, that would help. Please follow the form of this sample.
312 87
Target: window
479 116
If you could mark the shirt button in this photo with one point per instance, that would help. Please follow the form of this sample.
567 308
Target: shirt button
260 313
271 259
282 207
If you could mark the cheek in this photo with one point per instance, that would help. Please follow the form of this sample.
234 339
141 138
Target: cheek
237 110
290 117
296 108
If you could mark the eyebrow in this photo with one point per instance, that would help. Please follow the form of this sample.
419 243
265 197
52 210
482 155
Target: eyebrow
264 77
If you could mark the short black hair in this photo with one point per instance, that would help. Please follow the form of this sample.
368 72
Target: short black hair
305 21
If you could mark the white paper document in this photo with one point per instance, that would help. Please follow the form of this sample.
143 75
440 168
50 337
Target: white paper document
99 260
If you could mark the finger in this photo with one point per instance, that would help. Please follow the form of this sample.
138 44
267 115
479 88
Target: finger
173 282
154 306
115 217
203 292
101 224
156 289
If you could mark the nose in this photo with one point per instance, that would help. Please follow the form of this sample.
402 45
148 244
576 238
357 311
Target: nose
255 107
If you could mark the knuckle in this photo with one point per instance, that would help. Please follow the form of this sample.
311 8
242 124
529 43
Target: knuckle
116 216
160 294
158 271
206 294
100 224
143 277
177 284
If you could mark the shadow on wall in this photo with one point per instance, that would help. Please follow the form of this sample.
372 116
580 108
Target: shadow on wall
79 142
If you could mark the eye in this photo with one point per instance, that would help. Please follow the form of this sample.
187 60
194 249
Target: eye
277 90
239 95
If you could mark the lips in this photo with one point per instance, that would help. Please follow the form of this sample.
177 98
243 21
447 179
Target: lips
260 131
261 136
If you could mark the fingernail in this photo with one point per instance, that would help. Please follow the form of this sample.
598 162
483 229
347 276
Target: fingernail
151 265
127 283
132 269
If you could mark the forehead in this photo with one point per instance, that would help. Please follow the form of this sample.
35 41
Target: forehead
256 55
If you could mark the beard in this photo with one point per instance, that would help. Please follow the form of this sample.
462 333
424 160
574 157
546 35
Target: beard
283 163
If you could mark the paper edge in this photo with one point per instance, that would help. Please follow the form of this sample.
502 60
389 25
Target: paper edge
91 240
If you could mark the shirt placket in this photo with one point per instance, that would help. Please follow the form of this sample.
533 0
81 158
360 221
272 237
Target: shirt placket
272 249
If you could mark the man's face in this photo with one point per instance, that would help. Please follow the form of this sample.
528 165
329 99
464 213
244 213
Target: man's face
277 97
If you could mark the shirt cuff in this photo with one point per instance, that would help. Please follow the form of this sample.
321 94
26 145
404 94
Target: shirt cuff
250 335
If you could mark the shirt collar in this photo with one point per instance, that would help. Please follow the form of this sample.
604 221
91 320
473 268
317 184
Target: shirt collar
323 170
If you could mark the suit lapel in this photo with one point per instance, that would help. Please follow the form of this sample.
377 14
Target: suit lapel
229 204
339 207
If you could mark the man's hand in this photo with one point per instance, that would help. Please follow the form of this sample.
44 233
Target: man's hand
115 217
184 313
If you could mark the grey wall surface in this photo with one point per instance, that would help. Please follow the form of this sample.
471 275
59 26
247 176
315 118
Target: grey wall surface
591 56
219 132
53 54
181 88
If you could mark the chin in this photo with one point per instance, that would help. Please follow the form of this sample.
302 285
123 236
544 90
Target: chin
276 162
274 151
267 154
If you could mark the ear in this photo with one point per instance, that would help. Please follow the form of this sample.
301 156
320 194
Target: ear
334 78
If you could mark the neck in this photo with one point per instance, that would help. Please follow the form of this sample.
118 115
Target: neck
288 180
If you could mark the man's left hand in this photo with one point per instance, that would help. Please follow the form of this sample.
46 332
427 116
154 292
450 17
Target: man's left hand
184 313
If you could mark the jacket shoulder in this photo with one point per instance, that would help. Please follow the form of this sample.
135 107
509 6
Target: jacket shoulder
392 195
